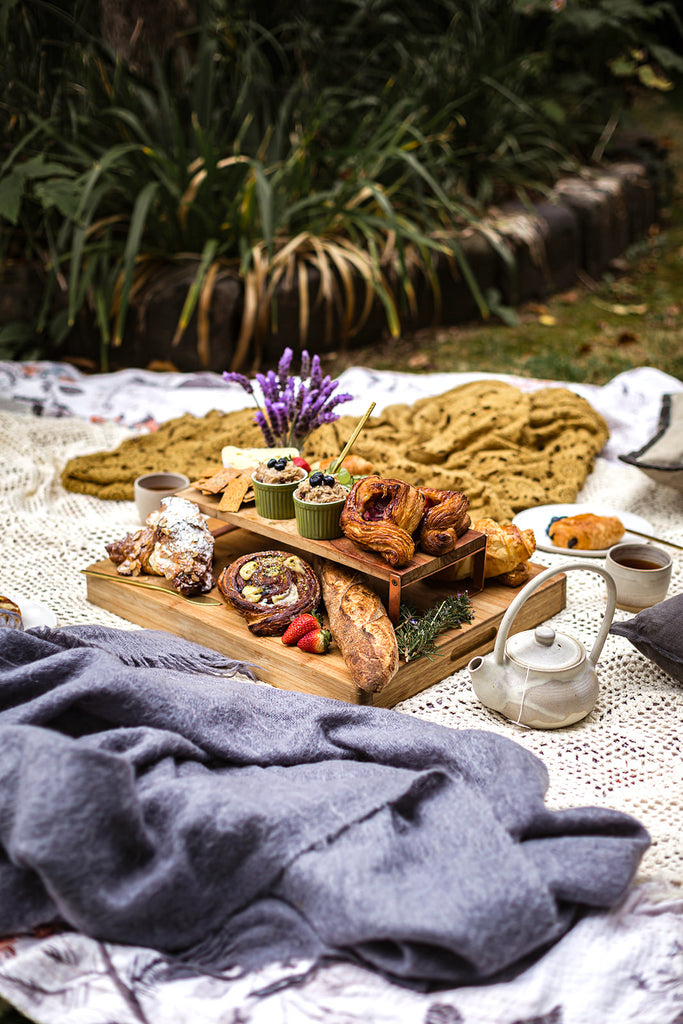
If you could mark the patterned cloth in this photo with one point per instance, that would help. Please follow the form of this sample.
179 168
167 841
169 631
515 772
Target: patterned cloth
612 967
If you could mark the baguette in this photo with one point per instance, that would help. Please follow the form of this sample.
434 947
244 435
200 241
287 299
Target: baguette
360 626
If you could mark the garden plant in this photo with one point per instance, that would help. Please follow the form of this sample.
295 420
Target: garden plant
339 149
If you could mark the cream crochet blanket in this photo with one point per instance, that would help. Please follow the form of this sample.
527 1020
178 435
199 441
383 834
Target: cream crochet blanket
626 755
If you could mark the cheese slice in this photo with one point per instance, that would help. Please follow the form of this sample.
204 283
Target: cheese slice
243 458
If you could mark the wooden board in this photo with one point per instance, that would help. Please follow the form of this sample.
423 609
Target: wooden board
390 582
215 625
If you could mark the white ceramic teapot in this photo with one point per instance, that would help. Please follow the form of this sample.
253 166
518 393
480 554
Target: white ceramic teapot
540 678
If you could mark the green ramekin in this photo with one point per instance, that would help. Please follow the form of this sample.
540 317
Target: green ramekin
318 521
274 501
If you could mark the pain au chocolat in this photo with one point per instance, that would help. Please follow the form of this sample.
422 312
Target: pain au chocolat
270 588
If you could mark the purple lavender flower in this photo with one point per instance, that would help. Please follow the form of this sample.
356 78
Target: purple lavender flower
261 420
292 407
284 365
238 378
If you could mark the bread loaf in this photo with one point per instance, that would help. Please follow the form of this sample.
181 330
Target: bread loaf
360 626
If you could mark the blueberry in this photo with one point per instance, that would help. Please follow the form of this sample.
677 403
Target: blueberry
316 479
572 542
555 519
271 463
280 464
329 481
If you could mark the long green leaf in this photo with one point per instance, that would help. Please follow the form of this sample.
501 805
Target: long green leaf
131 252
194 291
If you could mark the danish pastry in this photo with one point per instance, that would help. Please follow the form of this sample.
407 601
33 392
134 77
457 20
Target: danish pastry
381 514
270 588
445 519
587 532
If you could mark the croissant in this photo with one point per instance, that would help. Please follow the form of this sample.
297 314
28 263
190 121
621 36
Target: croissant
381 514
445 519
270 588
508 550
587 532
175 542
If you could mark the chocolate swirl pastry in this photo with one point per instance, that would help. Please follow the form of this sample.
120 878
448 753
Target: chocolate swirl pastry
270 588
445 519
381 514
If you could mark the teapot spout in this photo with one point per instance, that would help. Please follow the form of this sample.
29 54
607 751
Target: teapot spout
488 681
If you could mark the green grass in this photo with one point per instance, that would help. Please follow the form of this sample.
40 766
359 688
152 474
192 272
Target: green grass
632 317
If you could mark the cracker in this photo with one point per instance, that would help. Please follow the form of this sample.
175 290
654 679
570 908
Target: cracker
236 491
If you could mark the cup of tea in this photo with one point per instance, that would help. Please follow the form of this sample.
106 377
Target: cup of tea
152 487
641 572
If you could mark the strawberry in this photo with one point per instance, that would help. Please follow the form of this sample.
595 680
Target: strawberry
299 627
299 460
315 642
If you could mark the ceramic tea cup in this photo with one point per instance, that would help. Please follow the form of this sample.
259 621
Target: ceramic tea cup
642 574
152 487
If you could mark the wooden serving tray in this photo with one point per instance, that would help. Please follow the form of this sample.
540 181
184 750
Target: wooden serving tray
209 621
389 582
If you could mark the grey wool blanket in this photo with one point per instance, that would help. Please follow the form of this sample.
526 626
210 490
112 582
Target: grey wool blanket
152 795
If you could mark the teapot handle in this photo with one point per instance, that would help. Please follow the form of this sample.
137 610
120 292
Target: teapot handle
537 581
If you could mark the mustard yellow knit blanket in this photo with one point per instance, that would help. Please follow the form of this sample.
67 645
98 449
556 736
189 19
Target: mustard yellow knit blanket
506 449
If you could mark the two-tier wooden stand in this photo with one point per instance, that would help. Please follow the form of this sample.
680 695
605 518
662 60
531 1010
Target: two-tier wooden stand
211 622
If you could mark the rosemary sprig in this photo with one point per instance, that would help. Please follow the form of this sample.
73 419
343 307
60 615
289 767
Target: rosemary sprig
416 632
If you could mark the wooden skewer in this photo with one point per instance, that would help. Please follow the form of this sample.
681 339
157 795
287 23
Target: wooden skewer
334 466
137 582
658 540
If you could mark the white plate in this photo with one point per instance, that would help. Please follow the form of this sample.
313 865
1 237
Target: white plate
33 613
538 519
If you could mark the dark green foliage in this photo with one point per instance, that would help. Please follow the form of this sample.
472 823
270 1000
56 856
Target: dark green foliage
378 127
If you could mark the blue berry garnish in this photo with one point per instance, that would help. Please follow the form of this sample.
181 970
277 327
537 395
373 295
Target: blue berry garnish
555 519
316 479
329 481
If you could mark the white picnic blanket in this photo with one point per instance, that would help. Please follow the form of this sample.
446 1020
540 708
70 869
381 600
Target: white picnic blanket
611 968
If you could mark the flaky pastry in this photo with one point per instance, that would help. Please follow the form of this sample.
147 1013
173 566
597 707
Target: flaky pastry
175 542
270 588
445 519
587 532
381 514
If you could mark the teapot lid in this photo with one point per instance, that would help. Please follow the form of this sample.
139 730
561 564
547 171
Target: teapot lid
543 649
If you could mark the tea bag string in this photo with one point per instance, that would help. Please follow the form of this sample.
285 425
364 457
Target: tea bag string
521 703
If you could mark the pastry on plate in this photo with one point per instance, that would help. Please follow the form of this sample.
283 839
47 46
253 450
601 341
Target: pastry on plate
586 531
270 588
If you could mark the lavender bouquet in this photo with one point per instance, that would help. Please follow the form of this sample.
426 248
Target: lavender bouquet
292 406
